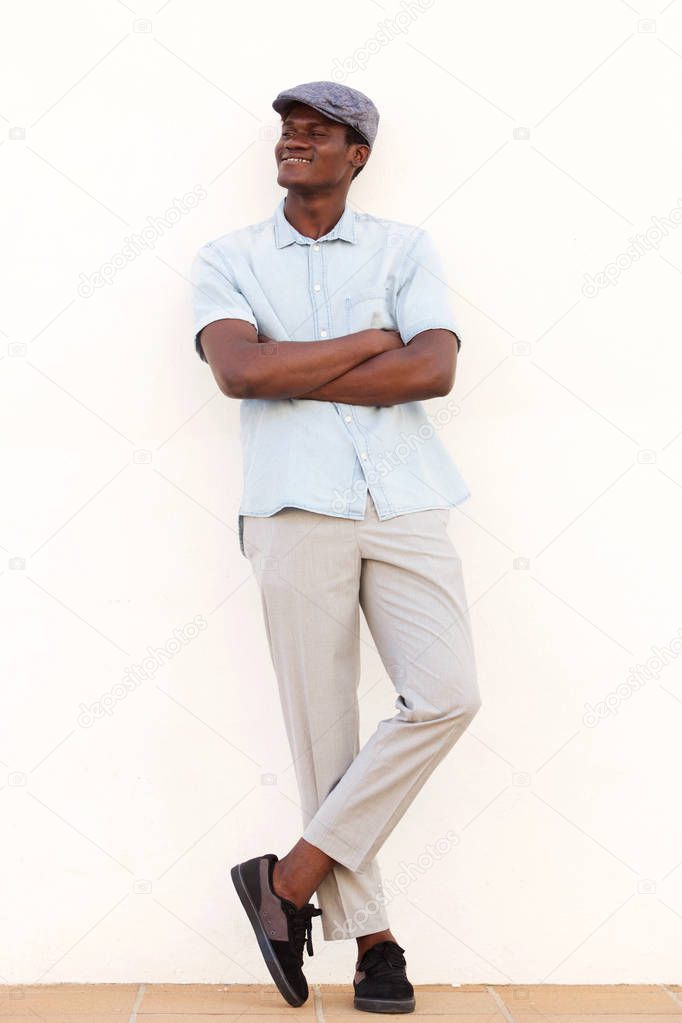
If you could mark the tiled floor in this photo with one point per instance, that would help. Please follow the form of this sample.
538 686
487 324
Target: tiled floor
198 1003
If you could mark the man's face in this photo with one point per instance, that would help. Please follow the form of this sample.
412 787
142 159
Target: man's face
318 145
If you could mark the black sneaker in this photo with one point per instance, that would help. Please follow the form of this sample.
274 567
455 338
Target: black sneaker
380 981
281 929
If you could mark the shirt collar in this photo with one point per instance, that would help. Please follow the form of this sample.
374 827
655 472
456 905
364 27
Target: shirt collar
286 233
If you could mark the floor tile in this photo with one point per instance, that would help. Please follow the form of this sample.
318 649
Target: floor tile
581 1017
57 1016
354 1016
75 998
262 999
212 1017
262 1003
563 999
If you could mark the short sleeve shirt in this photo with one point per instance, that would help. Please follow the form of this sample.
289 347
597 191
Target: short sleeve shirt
325 456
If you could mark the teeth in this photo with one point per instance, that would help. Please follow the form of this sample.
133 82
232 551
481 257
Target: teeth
295 159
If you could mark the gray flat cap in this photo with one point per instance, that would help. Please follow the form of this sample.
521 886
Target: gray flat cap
338 102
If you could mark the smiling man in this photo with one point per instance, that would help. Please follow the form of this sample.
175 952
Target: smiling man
332 326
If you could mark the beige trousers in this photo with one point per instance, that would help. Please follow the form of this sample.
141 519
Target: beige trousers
314 573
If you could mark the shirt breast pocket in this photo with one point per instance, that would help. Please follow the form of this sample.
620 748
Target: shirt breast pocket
371 307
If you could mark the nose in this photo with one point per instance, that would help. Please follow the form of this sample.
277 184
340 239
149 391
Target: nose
291 147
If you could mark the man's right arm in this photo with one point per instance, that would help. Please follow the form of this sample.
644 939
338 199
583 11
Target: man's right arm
245 367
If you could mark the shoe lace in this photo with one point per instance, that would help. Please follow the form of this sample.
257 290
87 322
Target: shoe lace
385 959
301 923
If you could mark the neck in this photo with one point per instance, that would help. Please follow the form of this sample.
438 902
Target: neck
314 216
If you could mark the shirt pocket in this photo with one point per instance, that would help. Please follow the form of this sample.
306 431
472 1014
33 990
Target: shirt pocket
371 307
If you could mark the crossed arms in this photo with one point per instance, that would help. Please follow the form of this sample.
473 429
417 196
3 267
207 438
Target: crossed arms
370 367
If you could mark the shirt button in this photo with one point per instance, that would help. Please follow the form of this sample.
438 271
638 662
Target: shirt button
323 333
317 287
316 248
348 419
364 454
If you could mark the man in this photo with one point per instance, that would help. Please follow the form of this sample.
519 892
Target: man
332 326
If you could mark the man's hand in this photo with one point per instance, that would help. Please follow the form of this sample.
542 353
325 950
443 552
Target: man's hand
294 369
425 369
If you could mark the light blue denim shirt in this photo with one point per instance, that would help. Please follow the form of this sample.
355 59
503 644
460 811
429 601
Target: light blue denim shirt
323 455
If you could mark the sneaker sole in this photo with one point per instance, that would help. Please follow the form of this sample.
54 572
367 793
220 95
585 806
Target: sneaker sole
383 1005
271 960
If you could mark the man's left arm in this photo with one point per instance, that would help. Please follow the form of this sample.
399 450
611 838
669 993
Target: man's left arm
425 367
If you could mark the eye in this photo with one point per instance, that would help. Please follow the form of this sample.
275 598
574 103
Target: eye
315 134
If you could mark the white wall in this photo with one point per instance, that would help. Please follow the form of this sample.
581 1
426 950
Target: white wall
534 140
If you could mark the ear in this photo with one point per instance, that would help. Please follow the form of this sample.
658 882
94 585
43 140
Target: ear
363 152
